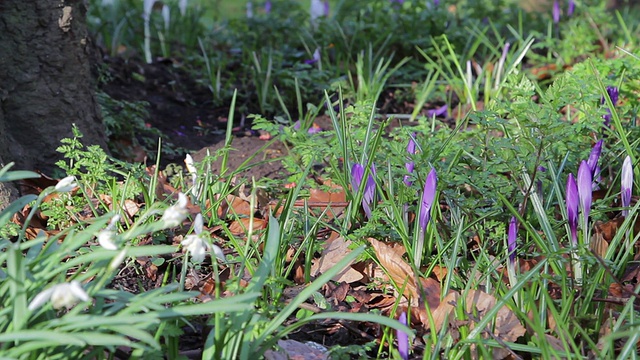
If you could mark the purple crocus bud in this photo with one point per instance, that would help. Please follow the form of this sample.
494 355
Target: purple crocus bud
403 338
571 7
326 8
626 185
585 189
572 201
594 156
357 173
436 2
512 240
267 6
428 195
556 12
613 94
409 165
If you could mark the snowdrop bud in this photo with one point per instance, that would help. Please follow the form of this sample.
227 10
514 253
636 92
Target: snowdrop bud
626 185
67 184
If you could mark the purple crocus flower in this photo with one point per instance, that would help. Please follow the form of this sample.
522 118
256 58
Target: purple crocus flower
357 173
571 8
556 12
428 195
613 94
411 149
572 201
593 158
512 240
403 338
267 6
626 185
326 7
585 189
315 58
437 111
436 2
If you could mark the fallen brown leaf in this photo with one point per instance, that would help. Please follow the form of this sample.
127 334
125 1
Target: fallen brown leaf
397 268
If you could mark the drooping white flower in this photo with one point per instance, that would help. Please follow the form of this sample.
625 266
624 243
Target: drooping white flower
147 7
317 10
166 16
249 10
67 184
182 5
176 213
196 246
105 239
61 295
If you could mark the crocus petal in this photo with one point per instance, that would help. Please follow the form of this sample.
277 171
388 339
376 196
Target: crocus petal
571 8
428 195
572 201
556 11
512 239
267 6
357 172
67 184
626 185
403 338
585 189
594 156
437 111
369 192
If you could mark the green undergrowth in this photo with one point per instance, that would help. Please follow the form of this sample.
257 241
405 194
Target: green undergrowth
500 154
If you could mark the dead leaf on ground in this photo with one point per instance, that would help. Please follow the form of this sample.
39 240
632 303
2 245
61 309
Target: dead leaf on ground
397 268
335 251
241 226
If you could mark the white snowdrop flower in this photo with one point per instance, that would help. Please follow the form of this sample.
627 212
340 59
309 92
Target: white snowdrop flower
105 239
147 8
182 5
118 259
218 252
176 213
61 295
67 184
317 10
190 164
196 246
198 224
166 16
249 10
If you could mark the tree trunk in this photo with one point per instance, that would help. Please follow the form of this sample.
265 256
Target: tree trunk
45 81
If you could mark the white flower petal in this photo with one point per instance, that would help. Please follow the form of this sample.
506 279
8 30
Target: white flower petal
175 214
218 252
67 184
196 246
105 239
118 259
188 161
41 298
198 224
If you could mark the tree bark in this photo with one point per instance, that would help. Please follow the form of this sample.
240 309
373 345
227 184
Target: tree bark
46 83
